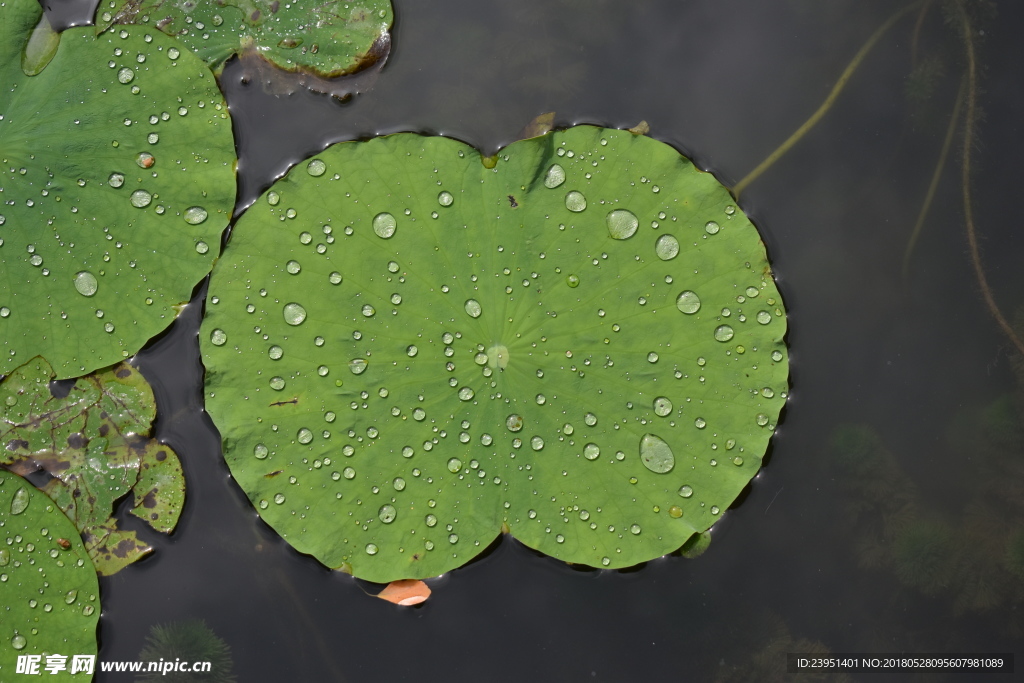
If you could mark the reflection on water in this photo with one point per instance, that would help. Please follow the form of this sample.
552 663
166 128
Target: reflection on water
889 517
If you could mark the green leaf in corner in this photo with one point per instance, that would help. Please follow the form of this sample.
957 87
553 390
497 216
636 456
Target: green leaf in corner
118 180
408 350
49 588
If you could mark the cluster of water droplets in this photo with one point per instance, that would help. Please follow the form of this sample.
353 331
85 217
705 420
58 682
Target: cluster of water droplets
383 393
45 568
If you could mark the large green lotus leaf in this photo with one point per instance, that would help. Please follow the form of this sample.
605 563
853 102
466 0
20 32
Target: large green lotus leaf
326 38
94 443
408 349
117 179
48 588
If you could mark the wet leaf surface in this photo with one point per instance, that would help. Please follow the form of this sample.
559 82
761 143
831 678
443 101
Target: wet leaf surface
326 38
94 443
118 178
48 587
407 349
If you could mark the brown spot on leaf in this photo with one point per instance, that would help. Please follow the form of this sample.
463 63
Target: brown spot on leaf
123 372
77 440
274 6
149 501
161 455
17 445
104 429
123 548
255 16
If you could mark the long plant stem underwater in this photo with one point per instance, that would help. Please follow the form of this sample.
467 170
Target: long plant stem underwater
829 101
947 144
972 237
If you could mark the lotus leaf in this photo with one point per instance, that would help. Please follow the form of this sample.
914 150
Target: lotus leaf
326 38
408 350
94 444
48 586
118 178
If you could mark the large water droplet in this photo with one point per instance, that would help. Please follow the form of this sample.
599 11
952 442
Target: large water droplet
260 451
384 224
445 198
194 215
115 180
454 465
465 393
218 337
304 436
666 247
514 422
387 513
622 224
712 228
20 501
688 302
723 333
554 177
294 313
316 167
473 308
764 317
85 283
591 451
662 406
656 455
141 199
125 75
575 201
18 642
357 366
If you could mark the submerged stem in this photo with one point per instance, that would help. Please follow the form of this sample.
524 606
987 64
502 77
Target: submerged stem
947 144
972 238
829 101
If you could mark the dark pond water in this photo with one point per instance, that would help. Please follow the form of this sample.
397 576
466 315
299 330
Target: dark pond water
915 359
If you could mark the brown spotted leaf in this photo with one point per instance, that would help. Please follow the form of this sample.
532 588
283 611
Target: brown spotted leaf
95 446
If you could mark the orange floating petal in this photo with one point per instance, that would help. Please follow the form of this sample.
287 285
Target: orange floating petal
405 592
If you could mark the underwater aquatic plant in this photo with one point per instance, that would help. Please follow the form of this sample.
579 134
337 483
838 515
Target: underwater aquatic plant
190 640
923 556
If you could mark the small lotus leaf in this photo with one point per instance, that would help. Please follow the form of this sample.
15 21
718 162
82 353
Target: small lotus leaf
48 587
94 444
409 350
117 177
326 38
